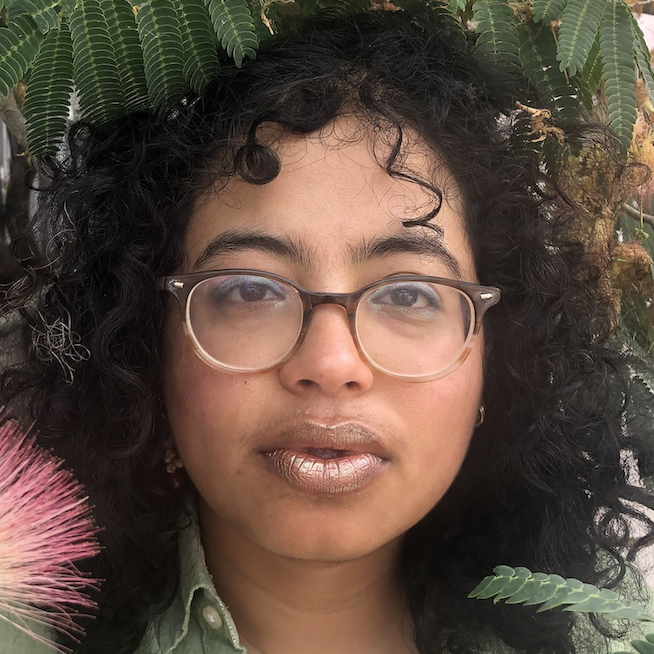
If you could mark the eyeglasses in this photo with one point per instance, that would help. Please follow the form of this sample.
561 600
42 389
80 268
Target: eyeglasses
414 327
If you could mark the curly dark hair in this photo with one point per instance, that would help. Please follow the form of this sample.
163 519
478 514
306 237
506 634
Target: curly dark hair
546 483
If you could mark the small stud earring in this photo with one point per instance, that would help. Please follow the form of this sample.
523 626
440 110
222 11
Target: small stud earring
173 464
482 415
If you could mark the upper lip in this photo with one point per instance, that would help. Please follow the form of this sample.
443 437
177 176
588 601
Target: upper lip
348 435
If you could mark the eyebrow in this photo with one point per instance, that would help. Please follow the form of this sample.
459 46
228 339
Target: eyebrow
282 246
415 242
429 244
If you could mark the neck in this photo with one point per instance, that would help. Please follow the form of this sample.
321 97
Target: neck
290 606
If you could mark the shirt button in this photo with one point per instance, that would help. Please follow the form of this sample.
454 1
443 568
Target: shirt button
212 617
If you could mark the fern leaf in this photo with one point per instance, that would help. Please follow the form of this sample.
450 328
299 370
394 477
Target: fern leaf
19 45
548 10
163 51
69 5
457 5
520 586
643 57
589 79
538 58
201 61
233 24
498 36
121 24
579 25
94 66
48 93
617 50
42 12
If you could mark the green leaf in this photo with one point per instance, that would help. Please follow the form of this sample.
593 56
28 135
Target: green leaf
538 58
233 24
19 45
643 646
68 5
42 12
201 61
481 587
552 591
579 25
94 65
48 94
163 51
617 50
548 10
590 78
517 581
121 24
455 5
643 57
498 36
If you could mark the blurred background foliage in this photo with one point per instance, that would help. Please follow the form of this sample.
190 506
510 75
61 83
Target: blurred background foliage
101 59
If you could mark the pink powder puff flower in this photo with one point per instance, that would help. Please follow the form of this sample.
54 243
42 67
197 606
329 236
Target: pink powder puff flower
45 527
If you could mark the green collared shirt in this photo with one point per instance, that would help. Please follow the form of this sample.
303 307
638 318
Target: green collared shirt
197 622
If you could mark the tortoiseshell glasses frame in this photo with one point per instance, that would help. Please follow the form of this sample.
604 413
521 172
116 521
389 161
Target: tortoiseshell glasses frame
480 299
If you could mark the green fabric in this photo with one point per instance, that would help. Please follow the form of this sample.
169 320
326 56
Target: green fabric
198 622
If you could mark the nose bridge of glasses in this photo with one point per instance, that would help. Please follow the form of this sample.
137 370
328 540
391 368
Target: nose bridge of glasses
314 300
344 300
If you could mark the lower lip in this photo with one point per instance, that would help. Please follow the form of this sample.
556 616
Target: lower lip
313 474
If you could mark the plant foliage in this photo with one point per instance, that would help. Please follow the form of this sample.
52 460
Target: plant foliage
548 10
521 586
48 95
127 51
617 51
163 51
200 44
132 55
498 35
95 70
233 23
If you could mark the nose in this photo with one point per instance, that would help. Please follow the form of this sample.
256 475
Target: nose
327 359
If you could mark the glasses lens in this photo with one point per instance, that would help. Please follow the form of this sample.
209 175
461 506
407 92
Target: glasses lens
245 322
414 328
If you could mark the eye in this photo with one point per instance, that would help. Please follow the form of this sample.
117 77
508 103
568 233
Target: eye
247 289
407 295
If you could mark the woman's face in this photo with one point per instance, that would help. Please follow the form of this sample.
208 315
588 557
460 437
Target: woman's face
329 201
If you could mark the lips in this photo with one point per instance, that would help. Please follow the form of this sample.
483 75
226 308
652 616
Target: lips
326 459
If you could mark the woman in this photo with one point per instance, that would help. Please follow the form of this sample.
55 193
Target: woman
323 441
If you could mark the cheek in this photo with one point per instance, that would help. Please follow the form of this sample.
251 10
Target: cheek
209 410
441 421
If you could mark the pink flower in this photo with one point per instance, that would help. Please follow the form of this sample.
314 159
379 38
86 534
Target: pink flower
45 527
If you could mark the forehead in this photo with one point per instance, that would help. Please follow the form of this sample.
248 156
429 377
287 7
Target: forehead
332 194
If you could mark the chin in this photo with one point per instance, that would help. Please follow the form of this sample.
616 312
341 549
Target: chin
326 538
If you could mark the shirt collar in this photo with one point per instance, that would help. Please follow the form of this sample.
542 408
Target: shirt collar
169 629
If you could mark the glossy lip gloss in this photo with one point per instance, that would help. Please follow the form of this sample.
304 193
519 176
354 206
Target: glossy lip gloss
326 459
313 474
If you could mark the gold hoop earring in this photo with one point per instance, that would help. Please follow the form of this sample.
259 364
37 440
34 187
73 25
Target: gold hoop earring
173 464
482 415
